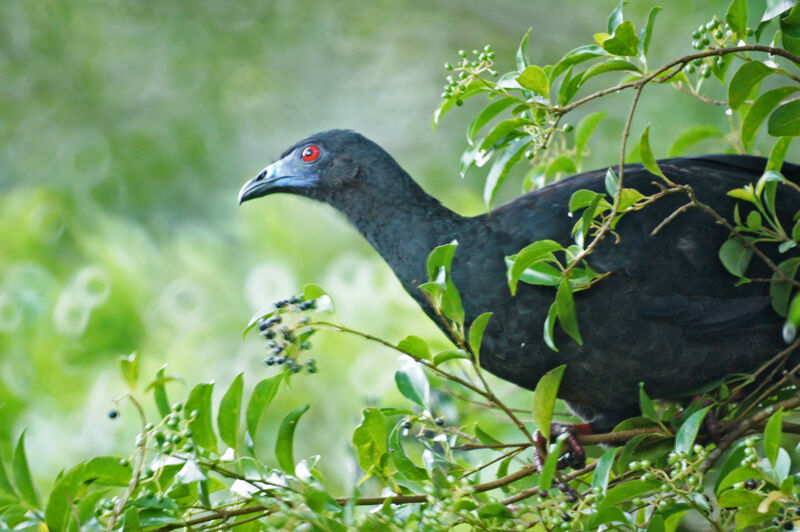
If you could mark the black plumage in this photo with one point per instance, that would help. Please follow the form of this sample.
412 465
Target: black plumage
669 315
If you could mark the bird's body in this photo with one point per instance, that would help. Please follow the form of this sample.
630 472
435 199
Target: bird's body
668 315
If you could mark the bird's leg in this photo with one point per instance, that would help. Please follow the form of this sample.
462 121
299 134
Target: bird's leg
575 456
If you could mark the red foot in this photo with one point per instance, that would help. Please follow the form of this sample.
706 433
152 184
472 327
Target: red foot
576 456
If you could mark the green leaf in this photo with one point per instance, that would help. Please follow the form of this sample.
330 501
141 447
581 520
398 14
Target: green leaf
488 112
59 510
584 130
108 471
778 153
129 367
541 250
314 291
735 475
503 128
684 439
736 17
22 474
647 31
623 41
785 121
772 436
550 463
160 393
616 18
611 182
229 412
412 383
263 394
450 354
603 469
561 164
626 491
476 333
759 111
544 399
284 446
485 437
735 256
494 510
736 498
402 462
609 65
745 80
549 327
656 524
790 31
440 257
754 221
416 346
648 410
522 55
776 7
692 136
201 426
574 57
646 154
569 86
370 441
567 316
535 79
508 157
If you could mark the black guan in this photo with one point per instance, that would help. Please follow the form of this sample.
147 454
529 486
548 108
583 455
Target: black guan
669 315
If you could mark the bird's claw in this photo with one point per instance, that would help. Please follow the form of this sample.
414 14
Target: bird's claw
575 456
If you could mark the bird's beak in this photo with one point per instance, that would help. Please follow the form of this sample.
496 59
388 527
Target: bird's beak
260 185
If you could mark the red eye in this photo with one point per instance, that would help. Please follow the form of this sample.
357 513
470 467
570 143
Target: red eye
310 153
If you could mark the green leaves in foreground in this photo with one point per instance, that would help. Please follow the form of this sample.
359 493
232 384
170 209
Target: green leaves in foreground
440 289
544 399
284 446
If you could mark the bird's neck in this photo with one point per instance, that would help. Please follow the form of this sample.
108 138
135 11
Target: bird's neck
404 227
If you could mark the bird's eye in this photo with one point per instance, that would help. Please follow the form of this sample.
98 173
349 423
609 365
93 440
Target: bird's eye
310 153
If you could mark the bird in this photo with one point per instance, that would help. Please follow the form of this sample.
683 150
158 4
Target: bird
668 314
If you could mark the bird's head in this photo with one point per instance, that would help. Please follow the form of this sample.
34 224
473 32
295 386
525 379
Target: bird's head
329 166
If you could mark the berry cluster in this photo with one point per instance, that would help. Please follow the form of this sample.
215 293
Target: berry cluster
466 70
713 34
287 333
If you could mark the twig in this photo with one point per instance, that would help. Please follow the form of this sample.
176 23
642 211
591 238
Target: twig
137 469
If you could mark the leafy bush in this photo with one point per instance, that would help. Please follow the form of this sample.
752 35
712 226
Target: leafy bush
422 471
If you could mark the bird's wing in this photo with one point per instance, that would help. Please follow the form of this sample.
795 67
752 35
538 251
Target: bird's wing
706 316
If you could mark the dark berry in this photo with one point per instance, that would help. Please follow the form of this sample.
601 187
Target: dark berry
788 526
439 421
113 413
566 517
562 487
269 335
282 303
269 361
295 368
295 300
277 349
311 361
407 425
572 496
543 493
312 369
751 484
280 360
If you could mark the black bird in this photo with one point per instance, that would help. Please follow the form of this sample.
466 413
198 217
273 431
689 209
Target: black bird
669 315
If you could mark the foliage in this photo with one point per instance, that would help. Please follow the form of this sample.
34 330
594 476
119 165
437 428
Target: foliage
198 464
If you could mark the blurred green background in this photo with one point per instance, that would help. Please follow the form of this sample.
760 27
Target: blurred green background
126 130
